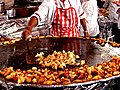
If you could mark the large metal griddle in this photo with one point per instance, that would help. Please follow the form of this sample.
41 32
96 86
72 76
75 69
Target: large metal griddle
15 55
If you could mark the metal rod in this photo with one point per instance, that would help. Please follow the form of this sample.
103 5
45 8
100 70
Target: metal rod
27 46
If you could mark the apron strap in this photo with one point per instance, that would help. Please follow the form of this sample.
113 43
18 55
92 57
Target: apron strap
56 3
69 3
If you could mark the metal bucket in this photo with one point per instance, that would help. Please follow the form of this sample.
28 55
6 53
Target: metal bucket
2 7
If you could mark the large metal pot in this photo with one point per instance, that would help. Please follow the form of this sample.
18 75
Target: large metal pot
2 7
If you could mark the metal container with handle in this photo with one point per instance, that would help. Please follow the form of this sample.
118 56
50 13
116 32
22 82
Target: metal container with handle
2 8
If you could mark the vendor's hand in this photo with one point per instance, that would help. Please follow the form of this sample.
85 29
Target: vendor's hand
26 33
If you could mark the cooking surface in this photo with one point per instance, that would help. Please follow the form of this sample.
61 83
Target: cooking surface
14 54
84 48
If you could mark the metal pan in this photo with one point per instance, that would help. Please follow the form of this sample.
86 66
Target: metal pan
14 55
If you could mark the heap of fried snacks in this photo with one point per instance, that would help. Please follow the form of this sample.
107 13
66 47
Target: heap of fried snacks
58 59
46 76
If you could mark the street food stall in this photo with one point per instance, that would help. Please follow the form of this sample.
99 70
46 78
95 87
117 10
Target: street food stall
46 62
85 67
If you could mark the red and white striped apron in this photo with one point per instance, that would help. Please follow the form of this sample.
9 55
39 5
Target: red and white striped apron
65 22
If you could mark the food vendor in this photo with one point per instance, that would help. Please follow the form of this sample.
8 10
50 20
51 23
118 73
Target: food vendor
112 6
63 15
90 9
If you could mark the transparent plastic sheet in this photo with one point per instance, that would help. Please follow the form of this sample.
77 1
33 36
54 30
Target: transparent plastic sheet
13 28
14 55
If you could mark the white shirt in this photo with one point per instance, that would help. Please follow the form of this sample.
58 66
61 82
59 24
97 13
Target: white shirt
90 9
119 21
112 7
47 8
118 11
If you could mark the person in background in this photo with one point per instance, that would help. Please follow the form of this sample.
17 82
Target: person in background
90 9
112 6
8 3
118 12
63 15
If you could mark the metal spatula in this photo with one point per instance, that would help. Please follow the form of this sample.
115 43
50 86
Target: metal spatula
30 56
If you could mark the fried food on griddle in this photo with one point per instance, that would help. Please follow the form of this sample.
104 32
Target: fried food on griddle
47 76
58 59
